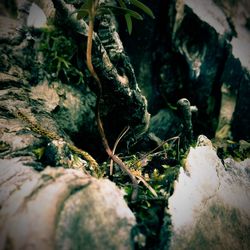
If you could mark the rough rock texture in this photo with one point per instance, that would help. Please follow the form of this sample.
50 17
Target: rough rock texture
191 52
209 208
234 69
102 216
120 90
165 124
57 208
60 209
71 106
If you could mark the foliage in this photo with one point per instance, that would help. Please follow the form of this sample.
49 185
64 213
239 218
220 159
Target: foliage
120 9
156 171
58 52
160 169
92 8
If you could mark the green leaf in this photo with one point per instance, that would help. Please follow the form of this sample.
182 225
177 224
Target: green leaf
84 10
120 11
165 166
127 17
87 4
82 13
147 185
129 23
143 7
39 152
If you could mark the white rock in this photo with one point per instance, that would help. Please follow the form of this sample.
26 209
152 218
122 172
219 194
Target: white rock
36 17
210 205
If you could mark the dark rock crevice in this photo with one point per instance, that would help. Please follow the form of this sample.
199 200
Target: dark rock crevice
189 51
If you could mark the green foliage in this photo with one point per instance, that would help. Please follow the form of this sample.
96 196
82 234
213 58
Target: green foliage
160 169
39 152
120 9
58 52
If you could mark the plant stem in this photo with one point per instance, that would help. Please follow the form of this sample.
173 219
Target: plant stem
101 131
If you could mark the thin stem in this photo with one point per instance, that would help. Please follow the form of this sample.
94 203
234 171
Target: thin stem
115 158
114 148
159 146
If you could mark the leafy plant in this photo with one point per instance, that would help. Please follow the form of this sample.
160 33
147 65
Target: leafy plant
58 51
120 9
159 168
90 9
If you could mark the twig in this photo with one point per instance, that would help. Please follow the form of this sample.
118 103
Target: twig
115 158
121 135
149 153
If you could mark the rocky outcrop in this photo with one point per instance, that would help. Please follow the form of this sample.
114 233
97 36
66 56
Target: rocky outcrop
72 105
209 208
196 51
233 69
60 209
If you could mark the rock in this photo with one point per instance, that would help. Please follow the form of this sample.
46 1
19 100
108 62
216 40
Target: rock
36 18
165 124
203 61
211 66
99 218
195 61
209 208
60 209
228 102
236 73
71 107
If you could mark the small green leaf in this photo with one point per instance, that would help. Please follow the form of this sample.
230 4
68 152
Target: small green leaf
87 4
82 13
165 166
143 7
127 17
39 152
121 11
129 23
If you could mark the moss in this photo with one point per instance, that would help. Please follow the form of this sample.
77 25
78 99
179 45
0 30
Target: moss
160 169
59 53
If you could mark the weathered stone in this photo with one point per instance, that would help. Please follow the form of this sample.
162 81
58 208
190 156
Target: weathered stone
236 73
204 61
96 219
60 209
210 204
226 63
165 124
193 53
36 18
71 107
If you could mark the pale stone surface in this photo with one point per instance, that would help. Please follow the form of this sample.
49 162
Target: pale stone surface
69 105
210 204
36 17
209 13
99 219
60 209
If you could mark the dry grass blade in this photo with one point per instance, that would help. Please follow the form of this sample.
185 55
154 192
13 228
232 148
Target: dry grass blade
146 185
121 135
